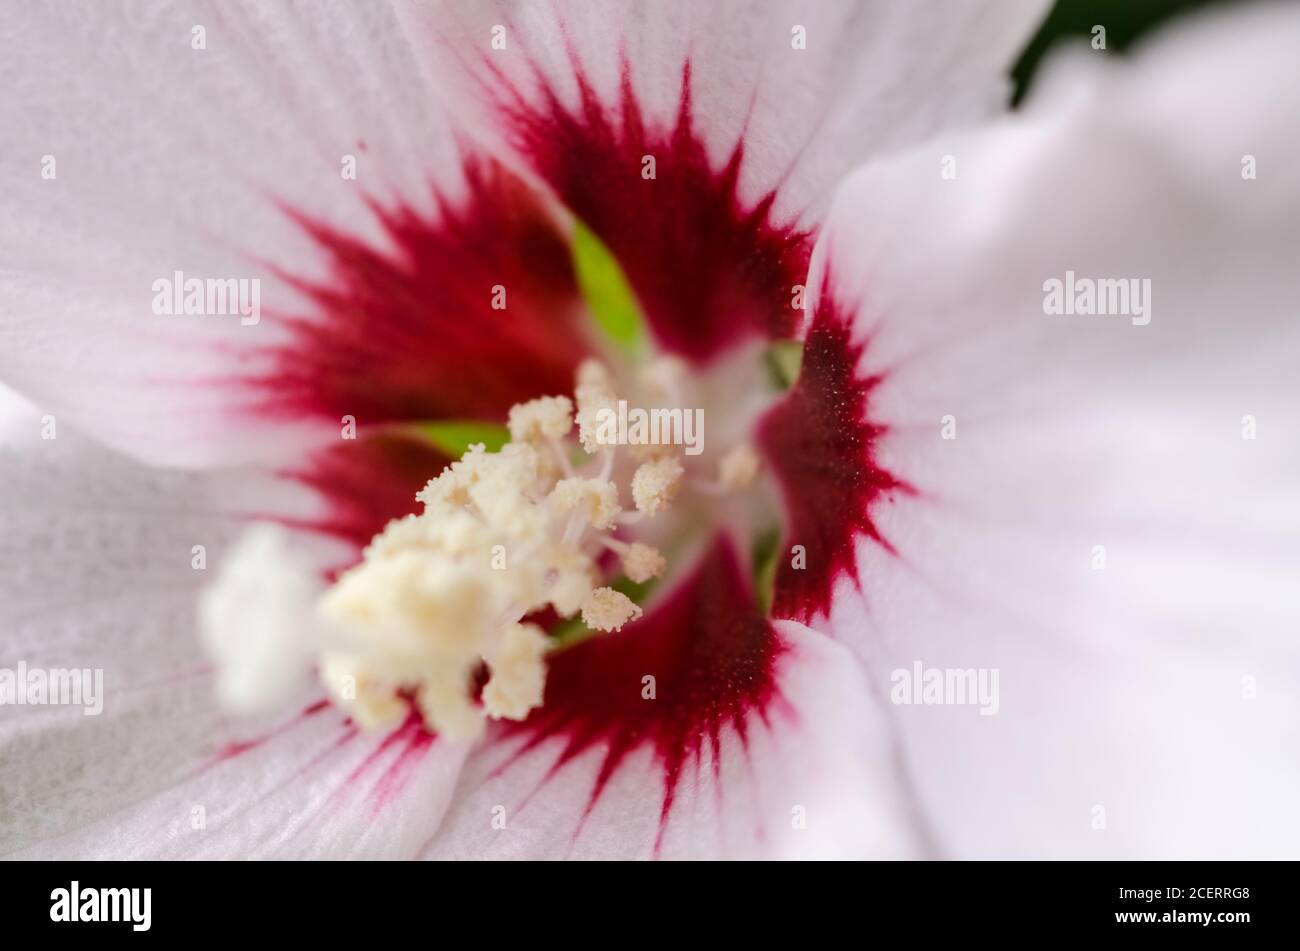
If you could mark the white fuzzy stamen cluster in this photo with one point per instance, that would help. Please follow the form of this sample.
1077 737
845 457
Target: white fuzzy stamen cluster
502 535
655 484
441 595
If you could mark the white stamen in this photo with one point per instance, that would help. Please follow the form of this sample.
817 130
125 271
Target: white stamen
643 562
608 610
503 535
607 465
561 457
594 394
655 484
518 673
545 418
372 703
258 621
597 499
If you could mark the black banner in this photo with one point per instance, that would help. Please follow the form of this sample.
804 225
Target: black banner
337 901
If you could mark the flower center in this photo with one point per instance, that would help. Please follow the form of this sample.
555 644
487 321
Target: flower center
508 539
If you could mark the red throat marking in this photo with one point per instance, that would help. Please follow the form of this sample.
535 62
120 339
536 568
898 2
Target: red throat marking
410 336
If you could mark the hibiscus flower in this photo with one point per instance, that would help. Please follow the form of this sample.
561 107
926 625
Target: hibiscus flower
959 561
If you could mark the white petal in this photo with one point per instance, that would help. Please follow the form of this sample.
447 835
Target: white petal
167 157
313 788
870 77
1126 688
97 570
813 778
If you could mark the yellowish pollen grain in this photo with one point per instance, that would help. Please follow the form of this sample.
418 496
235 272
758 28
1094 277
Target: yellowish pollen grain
502 536
655 484
594 393
452 485
371 704
444 699
410 600
518 673
608 610
589 424
642 562
595 499
502 494
571 576
738 468
548 417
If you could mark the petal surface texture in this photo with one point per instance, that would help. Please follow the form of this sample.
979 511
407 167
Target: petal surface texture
630 768
140 149
98 572
213 140
700 142
1102 509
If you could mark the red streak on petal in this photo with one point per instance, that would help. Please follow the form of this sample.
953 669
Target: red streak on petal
346 735
368 482
416 741
820 443
239 748
713 658
412 741
708 271
410 333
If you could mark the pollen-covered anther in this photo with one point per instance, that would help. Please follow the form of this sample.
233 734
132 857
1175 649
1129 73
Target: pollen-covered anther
451 486
439 594
373 705
444 700
594 499
595 397
502 537
655 484
570 576
548 417
608 610
642 562
414 619
738 468
518 673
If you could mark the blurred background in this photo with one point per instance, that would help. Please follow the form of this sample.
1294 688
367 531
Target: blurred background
1125 22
